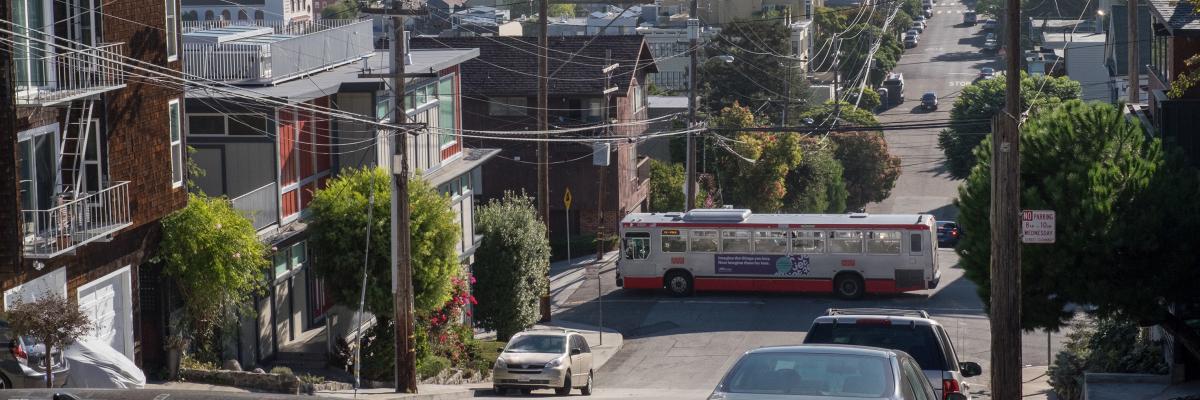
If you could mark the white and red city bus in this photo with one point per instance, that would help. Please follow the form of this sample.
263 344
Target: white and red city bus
735 250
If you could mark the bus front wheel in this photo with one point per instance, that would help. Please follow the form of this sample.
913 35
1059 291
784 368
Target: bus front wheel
849 286
679 283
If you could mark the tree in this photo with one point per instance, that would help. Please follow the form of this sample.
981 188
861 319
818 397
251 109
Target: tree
754 166
51 320
971 116
511 265
816 185
343 9
666 186
822 116
561 10
755 73
870 99
339 220
870 169
1126 217
213 253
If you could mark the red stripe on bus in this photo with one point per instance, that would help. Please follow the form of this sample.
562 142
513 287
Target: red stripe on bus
652 282
774 226
881 286
765 285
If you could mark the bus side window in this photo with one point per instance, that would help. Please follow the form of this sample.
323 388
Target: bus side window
808 242
914 243
637 245
885 242
674 241
703 241
735 241
770 242
846 242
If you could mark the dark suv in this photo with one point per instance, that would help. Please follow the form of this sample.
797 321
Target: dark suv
22 360
910 331
929 101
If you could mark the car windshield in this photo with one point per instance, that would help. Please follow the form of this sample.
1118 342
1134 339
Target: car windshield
537 344
928 96
808 374
918 341
988 70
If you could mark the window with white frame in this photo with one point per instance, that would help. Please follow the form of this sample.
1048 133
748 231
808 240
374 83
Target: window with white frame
30 22
176 128
172 30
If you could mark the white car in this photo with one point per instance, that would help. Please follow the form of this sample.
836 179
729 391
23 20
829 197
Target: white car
919 27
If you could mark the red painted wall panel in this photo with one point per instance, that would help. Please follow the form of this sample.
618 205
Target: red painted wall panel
287 155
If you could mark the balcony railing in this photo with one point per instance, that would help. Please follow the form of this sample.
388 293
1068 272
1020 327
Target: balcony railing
643 170
74 223
71 74
260 205
260 55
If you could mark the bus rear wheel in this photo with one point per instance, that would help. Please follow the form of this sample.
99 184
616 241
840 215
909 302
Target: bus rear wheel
679 283
848 286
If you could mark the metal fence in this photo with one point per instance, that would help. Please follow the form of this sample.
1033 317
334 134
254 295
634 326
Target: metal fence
74 223
69 74
315 48
280 27
260 205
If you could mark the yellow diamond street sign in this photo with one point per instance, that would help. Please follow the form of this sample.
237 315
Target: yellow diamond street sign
567 198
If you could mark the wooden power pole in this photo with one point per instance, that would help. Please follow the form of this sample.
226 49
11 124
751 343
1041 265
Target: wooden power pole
10 186
1132 63
543 104
693 25
1005 313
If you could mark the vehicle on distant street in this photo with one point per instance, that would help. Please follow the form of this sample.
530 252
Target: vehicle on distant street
909 331
912 39
928 12
848 255
23 364
929 101
825 372
894 83
987 72
991 45
924 22
989 25
558 359
990 36
917 26
969 18
948 233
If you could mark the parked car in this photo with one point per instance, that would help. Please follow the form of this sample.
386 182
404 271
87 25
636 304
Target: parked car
969 18
948 233
929 101
909 331
824 372
22 365
556 359
991 45
928 12
917 26
989 25
924 22
990 36
987 72
96 365
912 38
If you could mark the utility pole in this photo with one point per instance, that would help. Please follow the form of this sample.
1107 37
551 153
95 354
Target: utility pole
10 186
837 73
1005 214
402 288
543 168
402 292
693 25
1134 57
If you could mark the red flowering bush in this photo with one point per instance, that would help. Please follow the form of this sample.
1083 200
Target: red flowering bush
447 336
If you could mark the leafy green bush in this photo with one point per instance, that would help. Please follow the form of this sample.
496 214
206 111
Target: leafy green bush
511 265
431 366
311 379
282 370
1107 344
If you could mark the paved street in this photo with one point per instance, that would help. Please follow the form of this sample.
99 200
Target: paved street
947 59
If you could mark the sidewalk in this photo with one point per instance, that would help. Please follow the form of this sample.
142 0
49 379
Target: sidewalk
567 276
1036 383
425 392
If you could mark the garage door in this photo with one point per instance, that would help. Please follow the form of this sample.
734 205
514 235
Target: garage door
106 301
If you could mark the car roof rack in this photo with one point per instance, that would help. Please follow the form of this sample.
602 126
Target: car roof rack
894 312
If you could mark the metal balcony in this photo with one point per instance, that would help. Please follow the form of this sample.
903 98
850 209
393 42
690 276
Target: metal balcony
260 205
253 54
68 75
74 223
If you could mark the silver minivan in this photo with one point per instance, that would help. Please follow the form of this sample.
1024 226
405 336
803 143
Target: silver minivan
558 359
910 331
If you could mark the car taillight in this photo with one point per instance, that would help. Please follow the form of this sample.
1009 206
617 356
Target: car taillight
949 386
954 232
868 321
19 353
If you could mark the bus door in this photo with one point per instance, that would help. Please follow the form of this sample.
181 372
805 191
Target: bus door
635 252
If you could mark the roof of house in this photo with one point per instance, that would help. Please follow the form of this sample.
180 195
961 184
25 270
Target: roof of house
331 81
507 65
1118 35
1179 16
